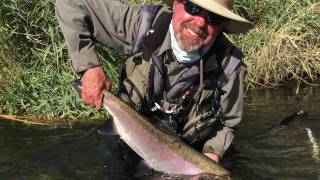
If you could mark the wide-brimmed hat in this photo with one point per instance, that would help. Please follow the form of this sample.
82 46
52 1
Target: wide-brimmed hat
237 24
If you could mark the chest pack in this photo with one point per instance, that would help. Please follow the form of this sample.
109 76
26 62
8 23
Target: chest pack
158 83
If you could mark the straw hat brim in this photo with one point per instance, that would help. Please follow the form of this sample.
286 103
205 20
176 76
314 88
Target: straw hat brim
237 24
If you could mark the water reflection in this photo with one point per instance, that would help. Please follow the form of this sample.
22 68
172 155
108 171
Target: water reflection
80 153
285 154
33 153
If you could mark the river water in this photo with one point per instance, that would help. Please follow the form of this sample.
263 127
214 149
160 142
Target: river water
28 152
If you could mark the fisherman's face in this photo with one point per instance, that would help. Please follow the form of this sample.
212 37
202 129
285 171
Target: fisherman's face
193 31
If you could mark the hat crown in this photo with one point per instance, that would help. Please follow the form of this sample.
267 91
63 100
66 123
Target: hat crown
226 3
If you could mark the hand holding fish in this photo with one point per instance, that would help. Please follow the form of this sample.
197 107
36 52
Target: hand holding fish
94 81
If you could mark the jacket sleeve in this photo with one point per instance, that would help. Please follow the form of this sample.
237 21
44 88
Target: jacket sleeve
232 106
87 22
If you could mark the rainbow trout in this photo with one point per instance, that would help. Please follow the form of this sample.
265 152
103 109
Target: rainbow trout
161 151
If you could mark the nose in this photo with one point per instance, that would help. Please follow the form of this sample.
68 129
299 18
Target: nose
200 20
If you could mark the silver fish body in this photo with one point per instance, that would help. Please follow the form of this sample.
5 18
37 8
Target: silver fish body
163 152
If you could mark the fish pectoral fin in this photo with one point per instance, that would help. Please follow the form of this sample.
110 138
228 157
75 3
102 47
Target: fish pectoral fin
108 129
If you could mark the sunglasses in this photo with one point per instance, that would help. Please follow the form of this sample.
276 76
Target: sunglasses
195 10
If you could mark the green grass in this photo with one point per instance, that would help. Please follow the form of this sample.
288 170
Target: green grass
35 69
285 45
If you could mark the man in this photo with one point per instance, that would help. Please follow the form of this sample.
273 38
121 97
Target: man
182 70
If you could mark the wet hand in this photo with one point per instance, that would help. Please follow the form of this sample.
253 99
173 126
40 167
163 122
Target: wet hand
213 157
94 81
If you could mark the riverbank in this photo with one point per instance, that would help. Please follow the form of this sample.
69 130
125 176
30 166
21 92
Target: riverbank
35 69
